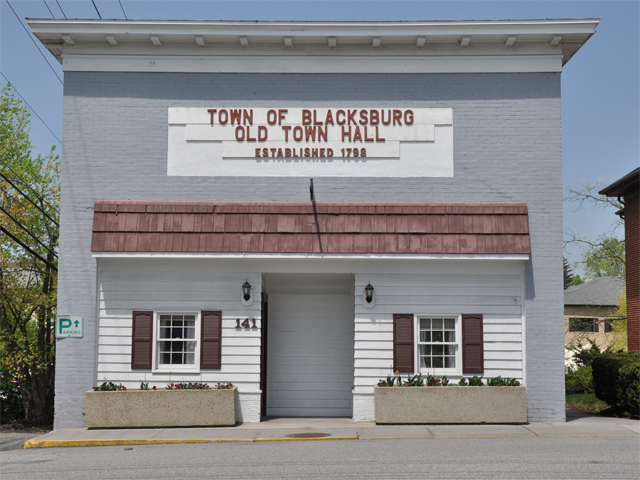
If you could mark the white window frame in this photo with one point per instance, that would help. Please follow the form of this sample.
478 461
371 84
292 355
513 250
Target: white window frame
438 372
157 367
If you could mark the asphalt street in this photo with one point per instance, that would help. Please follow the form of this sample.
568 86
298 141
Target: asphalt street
479 458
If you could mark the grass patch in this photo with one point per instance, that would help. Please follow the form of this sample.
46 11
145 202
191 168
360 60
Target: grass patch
585 402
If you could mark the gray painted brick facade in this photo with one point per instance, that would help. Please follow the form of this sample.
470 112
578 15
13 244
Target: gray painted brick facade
507 147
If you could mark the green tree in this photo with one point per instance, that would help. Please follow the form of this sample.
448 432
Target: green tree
569 278
619 325
606 257
29 199
576 280
606 254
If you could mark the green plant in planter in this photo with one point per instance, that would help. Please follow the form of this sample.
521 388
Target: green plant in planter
109 387
502 382
187 386
445 381
462 382
414 381
224 386
433 381
388 382
143 385
475 381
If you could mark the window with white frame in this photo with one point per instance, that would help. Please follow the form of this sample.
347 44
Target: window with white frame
176 340
439 344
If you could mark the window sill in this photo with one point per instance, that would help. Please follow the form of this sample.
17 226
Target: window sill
440 373
176 371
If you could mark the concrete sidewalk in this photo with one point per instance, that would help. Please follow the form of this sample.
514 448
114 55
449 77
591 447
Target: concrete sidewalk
319 429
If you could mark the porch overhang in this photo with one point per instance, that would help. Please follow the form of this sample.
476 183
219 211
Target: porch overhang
311 230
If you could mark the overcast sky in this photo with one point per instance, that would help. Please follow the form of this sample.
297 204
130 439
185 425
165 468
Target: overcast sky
600 89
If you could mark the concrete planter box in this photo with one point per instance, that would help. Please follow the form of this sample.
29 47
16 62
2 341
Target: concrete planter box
450 404
161 408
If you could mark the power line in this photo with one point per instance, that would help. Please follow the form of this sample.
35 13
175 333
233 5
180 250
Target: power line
45 4
27 230
30 187
125 15
34 42
94 6
30 108
30 201
61 9
27 248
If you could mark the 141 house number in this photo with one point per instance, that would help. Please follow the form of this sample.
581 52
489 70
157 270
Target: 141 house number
245 323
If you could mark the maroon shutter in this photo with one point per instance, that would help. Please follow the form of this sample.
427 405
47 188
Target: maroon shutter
403 343
142 340
211 334
472 344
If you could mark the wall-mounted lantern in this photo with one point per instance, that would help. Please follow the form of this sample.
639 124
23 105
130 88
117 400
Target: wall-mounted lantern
246 294
246 291
368 293
369 296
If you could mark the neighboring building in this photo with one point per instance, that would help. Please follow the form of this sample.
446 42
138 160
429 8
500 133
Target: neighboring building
627 189
435 154
589 310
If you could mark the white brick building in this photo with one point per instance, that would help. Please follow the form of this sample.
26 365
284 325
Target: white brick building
435 154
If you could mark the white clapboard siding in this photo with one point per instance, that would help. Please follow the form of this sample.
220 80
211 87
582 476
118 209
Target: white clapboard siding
389 310
493 290
502 346
161 285
496 278
372 327
310 356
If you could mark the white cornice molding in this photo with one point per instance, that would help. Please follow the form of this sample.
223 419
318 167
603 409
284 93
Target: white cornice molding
214 46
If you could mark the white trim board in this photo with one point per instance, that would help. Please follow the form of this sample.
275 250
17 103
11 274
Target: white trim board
364 256
316 64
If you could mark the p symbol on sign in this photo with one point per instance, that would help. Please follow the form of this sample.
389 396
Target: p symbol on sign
64 323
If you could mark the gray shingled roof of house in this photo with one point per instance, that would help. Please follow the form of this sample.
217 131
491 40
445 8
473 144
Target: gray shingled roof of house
602 291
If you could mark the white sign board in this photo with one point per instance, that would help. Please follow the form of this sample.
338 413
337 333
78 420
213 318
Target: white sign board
307 142
69 326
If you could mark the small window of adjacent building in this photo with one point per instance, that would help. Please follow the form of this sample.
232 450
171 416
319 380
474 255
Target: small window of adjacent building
439 345
579 324
177 343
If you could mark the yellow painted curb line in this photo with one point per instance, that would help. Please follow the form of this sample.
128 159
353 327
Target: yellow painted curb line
261 440
159 441
138 441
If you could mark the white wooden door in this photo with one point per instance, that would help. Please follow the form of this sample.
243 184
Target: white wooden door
310 356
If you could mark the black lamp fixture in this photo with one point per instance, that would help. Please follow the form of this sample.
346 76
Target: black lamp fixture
246 291
368 293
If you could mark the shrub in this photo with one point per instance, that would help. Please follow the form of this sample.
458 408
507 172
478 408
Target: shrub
12 410
579 380
584 356
616 378
475 381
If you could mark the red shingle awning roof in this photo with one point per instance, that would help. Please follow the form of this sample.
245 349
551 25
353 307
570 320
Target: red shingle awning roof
292 227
